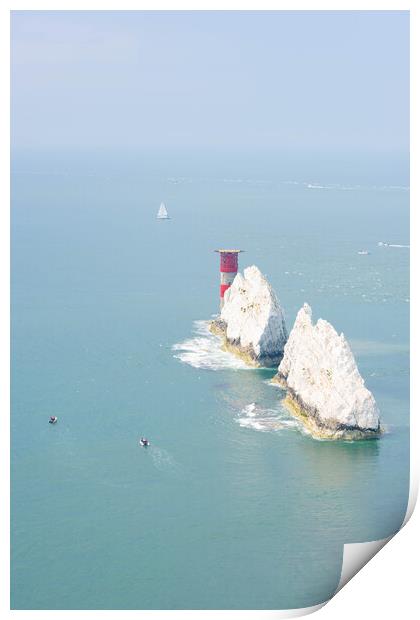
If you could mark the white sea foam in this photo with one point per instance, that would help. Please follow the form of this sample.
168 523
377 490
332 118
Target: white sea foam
265 419
203 351
250 410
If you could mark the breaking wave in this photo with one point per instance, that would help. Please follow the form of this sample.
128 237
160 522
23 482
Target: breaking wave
203 351
266 419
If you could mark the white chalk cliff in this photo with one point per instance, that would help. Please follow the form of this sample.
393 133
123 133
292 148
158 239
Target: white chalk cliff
324 386
252 320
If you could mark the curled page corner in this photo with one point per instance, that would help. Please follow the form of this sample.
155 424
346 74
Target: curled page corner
296 613
304 611
356 556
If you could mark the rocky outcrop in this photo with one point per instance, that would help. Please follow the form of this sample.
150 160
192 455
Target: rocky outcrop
252 321
324 386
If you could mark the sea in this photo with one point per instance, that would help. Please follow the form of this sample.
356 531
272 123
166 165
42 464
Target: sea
233 505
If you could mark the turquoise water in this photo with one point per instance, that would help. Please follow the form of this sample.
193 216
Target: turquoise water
233 505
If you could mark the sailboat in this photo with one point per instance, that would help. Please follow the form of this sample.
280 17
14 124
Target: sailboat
162 214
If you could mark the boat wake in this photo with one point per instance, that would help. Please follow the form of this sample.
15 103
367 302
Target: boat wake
203 351
162 460
392 245
340 187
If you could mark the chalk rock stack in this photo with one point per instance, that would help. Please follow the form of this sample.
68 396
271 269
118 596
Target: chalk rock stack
325 389
252 321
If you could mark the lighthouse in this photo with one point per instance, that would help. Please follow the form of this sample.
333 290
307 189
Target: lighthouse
228 270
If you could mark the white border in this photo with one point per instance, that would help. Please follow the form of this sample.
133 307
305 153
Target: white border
396 565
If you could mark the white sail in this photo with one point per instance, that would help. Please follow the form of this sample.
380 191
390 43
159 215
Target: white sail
162 213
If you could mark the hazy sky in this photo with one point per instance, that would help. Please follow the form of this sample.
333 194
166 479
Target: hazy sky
316 80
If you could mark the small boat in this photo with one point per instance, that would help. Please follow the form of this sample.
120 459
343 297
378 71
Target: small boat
162 214
53 419
144 442
363 252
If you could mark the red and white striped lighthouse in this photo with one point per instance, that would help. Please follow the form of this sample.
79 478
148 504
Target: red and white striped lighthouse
228 270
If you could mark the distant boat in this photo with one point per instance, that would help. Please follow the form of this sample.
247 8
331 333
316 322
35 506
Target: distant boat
363 252
162 214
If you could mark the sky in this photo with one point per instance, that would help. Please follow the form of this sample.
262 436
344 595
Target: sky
220 79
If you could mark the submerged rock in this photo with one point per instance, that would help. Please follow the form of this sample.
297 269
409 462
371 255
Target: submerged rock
252 320
325 388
